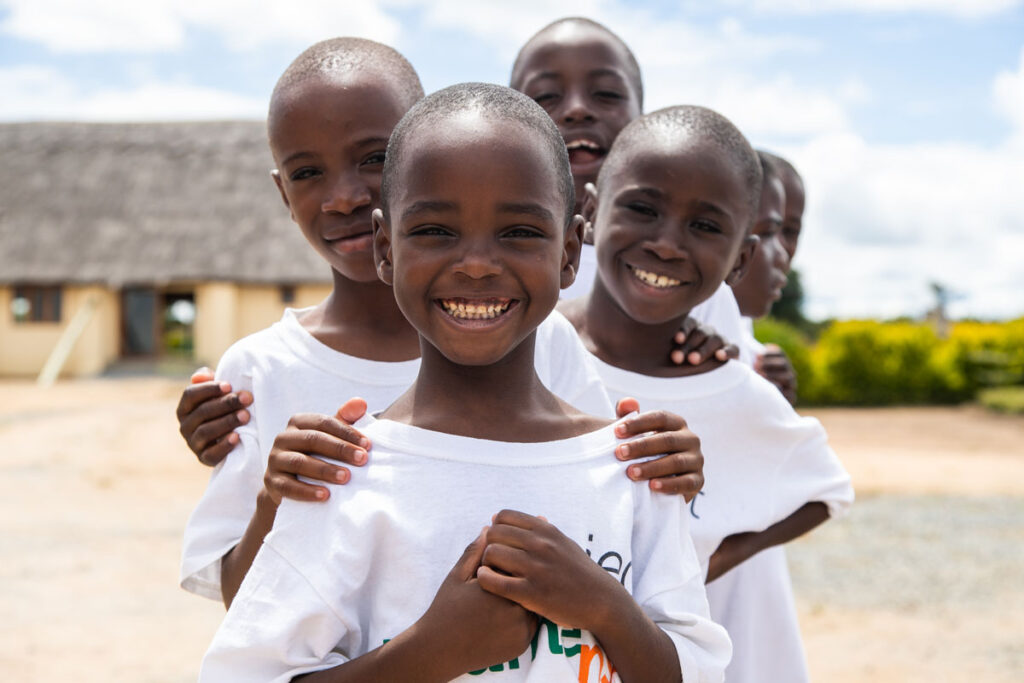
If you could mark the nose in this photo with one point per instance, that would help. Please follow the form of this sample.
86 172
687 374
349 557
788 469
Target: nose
346 193
780 255
476 260
667 245
575 108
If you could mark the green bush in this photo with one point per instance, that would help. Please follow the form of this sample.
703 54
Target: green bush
796 345
1003 399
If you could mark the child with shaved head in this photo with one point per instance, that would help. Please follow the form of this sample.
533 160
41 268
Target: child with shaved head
672 213
579 574
331 116
588 80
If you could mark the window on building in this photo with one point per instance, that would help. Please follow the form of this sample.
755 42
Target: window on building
287 294
36 304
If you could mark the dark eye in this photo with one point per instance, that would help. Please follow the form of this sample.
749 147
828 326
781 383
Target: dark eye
642 209
374 158
706 226
303 173
522 231
429 231
545 98
608 95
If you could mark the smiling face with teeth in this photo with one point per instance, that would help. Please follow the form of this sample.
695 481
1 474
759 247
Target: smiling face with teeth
670 225
475 245
585 79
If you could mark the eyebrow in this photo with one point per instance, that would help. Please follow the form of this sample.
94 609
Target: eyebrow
527 208
603 71
372 140
428 205
711 208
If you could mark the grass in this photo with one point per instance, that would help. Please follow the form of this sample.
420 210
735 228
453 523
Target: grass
1008 400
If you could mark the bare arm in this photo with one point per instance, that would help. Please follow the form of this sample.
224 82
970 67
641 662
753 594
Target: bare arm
739 548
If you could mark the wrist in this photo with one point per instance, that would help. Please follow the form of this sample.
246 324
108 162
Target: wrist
265 502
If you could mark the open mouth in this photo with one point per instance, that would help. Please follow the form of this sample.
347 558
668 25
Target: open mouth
584 151
654 279
476 309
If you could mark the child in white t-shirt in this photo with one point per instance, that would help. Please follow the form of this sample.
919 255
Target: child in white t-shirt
584 575
662 247
330 117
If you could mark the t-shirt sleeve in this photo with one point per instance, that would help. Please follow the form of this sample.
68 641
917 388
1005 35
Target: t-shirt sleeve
668 584
566 369
721 312
811 473
223 513
278 627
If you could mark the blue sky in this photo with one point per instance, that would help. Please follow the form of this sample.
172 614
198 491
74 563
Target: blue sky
906 117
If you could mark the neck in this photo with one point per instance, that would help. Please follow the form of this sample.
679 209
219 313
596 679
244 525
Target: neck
362 319
610 334
497 402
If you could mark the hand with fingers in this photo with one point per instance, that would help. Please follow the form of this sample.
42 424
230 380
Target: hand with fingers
309 435
680 469
529 561
697 342
208 413
462 612
774 366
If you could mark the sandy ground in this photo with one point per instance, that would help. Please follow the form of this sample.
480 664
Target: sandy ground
922 582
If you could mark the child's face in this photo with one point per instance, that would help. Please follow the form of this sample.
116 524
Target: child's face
792 220
581 78
328 140
669 228
475 245
762 284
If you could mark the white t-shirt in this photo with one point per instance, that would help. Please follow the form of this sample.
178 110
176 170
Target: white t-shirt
762 460
334 580
720 311
754 601
289 371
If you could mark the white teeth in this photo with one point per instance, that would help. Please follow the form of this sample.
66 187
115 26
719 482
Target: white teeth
582 144
653 279
474 311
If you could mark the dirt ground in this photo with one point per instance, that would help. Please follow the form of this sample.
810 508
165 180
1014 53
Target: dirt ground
922 582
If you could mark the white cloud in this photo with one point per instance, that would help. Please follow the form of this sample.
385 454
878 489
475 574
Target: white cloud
161 25
885 220
958 8
1008 92
40 93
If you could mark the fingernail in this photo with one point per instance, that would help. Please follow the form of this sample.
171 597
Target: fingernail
341 476
320 494
623 452
243 416
634 472
245 398
680 337
695 358
620 429
656 484
677 357
360 457
364 442
233 438
225 387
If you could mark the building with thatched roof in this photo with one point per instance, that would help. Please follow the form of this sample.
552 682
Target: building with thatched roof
129 240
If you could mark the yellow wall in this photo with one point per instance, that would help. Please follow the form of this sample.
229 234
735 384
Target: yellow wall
24 347
227 312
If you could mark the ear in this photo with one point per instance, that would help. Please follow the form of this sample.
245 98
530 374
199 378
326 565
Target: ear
743 258
382 247
571 251
276 175
589 212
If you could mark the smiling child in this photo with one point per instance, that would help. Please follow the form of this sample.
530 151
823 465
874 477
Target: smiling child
331 115
579 573
672 212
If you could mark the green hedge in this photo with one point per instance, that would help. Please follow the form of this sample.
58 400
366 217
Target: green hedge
865 362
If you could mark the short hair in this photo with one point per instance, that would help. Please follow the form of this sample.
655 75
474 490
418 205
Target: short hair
494 102
632 66
782 166
339 56
769 168
672 124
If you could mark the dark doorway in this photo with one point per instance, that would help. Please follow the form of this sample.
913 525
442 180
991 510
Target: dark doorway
138 322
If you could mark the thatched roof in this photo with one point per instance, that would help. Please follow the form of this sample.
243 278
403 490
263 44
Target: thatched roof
145 203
